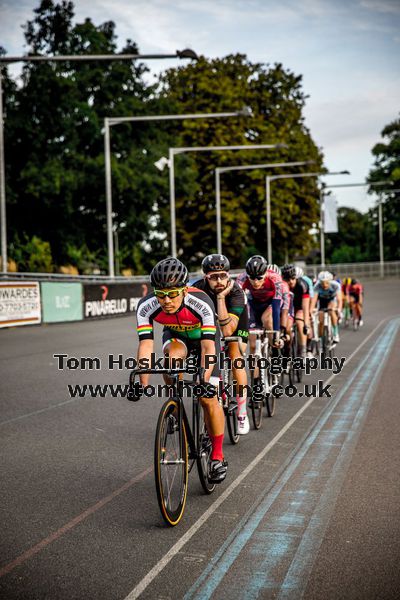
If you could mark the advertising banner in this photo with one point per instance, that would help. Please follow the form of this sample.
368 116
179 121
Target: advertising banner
61 302
112 299
19 303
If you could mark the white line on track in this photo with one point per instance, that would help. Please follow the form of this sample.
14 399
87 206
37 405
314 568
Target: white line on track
158 567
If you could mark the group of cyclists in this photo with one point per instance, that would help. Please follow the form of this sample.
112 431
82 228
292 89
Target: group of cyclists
194 315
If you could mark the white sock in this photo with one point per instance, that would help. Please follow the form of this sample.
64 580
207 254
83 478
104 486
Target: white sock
241 400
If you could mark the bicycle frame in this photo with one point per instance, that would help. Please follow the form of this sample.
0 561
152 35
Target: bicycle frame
177 383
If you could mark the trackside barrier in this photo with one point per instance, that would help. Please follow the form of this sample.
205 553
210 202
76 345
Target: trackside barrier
371 270
61 302
111 299
30 298
19 303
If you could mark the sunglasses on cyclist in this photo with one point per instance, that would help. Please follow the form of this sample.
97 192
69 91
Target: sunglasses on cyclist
173 293
257 278
216 276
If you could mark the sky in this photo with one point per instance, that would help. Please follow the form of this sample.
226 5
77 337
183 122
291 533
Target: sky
348 52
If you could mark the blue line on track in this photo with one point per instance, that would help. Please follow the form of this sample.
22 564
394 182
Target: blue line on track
277 541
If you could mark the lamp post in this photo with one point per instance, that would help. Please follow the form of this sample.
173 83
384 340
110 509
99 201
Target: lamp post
187 53
380 220
268 180
220 170
174 151
110 122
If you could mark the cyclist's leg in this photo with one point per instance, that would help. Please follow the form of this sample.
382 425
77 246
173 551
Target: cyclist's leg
267 321
332 306
255 312
215 422
239 372
301 337
322 304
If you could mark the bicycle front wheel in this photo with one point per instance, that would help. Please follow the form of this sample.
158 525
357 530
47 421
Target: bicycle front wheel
270 398
171 463
231 416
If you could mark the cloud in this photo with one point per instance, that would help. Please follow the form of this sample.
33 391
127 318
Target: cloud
391 7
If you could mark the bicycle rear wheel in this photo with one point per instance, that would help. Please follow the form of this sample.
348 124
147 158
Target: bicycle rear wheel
231 421
231 415
270 398
204 448
297 373
256 405
171 463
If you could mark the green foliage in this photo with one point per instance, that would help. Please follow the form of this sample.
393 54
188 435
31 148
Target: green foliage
54 140
55 151
277 101
32 255
351 240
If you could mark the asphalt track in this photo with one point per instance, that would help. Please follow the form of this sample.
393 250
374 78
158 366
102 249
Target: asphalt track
310 507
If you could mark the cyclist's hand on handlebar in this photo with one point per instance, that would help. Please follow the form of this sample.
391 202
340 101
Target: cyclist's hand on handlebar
285 337
276 341
209 390
135 392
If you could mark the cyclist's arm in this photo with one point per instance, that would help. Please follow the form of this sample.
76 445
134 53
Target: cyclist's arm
145 349
305 305
284 316
227 321
305 301
313 302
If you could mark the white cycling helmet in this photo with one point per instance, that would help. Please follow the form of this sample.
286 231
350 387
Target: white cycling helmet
274 268
299 272
325 276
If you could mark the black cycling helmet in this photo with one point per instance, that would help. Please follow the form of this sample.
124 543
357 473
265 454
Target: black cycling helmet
169 273
256 266
215 262
288 272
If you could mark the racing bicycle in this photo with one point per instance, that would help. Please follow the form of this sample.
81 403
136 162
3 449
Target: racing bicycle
178 444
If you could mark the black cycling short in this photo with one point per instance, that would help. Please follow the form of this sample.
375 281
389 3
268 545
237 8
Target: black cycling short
323 302
356 297
193 347
256 310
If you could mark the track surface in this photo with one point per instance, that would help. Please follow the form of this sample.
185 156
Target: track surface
310 507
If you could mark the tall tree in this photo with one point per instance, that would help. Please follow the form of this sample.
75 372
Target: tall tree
54 141
387 168
350 244
277 101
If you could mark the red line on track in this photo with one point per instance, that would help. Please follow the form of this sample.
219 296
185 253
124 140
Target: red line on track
71 524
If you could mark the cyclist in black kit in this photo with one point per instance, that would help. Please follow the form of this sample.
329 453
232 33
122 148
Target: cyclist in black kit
230 304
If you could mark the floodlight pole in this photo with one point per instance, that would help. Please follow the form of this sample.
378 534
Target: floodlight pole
270 178
110 122
380 220
220 170
174 151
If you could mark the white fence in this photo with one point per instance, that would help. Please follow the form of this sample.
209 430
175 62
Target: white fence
357 270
